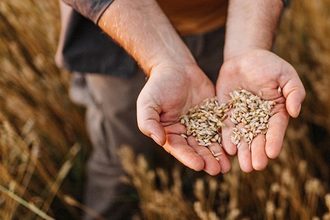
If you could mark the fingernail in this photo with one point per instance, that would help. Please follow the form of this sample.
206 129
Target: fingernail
156 139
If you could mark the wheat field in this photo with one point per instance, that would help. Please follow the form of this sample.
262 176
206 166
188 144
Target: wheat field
43 144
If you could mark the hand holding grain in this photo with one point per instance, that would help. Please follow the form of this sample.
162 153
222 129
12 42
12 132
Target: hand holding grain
270 77
169 92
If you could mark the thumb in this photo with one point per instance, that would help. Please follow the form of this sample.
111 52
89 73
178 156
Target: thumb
294 93
149 121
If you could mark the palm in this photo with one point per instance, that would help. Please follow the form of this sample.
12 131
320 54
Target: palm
267 76
168 94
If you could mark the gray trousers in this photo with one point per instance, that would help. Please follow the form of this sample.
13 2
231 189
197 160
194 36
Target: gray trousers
111 123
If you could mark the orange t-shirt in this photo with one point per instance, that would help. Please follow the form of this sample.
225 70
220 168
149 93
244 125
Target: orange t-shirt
195 16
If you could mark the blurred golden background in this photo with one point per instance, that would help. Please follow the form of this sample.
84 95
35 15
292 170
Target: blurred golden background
43 144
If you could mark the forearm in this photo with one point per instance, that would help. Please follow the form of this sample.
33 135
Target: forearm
251 25
144 31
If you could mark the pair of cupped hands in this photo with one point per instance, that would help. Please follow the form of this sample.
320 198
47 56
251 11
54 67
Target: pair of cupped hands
174 87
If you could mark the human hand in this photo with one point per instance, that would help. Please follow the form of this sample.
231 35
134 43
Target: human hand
169 92
270 77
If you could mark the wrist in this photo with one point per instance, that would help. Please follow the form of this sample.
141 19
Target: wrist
249 53
243 61
230 54
251 25
189 72
182 63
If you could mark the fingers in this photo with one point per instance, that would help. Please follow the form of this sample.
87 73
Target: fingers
244 157
275 134
264 146
149 121
211 165
227 130
179 148
221 156
258 153
294 92
214 159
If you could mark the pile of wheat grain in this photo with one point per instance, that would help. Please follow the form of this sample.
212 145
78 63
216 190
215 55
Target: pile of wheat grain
249 114
204 121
